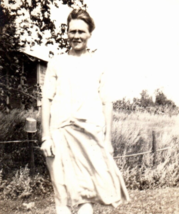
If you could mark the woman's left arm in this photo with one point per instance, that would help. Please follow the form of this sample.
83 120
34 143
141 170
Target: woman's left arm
108 113
105 90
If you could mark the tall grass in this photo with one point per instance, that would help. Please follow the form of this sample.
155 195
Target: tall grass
132 133
12 124
16 155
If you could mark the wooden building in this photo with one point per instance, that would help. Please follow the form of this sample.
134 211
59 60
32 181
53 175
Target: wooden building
34 66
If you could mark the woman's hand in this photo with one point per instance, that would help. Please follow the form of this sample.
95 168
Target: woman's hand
48 148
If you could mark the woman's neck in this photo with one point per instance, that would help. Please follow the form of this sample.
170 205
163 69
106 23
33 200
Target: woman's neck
79 53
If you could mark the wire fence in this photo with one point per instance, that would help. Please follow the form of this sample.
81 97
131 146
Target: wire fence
19 141
141 153
32 126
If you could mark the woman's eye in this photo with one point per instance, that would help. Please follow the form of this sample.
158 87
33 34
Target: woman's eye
74 32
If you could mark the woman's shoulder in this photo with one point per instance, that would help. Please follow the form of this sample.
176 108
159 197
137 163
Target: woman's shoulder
57 59
59 56
99 54
100 58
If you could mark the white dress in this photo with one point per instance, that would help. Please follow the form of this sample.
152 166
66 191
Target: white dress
83 170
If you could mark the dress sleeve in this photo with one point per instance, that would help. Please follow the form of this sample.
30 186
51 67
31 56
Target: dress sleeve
50 82
105 87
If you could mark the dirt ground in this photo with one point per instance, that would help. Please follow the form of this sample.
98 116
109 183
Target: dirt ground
158 201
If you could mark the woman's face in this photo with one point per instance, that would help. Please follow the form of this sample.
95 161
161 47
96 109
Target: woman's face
78 34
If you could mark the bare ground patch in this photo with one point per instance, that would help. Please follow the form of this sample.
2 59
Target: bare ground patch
157 201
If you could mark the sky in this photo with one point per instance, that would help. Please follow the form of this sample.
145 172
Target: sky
139 39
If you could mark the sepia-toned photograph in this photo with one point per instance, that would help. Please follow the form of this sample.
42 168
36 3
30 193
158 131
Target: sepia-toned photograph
89 107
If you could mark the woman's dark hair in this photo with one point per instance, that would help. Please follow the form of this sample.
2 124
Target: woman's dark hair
82 15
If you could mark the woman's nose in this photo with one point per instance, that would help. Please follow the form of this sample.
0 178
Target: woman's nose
76 35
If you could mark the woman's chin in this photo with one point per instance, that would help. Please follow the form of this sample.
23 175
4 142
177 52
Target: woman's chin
78 48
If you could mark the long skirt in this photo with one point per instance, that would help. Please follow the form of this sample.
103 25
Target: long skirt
83 170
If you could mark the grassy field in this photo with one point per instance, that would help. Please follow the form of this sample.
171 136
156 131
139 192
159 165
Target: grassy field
132 133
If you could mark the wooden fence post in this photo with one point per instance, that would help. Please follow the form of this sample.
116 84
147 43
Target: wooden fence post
30 128
154 147
32 165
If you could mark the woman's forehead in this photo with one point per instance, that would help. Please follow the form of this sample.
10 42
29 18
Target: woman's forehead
78 24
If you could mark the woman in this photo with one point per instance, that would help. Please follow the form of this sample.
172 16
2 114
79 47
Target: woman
76 121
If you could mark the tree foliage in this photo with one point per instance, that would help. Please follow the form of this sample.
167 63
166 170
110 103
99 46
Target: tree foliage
160 105
146 99
161 99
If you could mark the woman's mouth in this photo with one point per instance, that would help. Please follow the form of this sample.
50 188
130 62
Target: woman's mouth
76 42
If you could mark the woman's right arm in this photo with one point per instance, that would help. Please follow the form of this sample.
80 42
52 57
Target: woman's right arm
49 90
46 106
47 146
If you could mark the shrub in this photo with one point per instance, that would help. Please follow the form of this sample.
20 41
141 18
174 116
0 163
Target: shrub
19 187
23 186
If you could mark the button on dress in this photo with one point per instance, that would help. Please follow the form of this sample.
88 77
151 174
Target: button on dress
82 170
